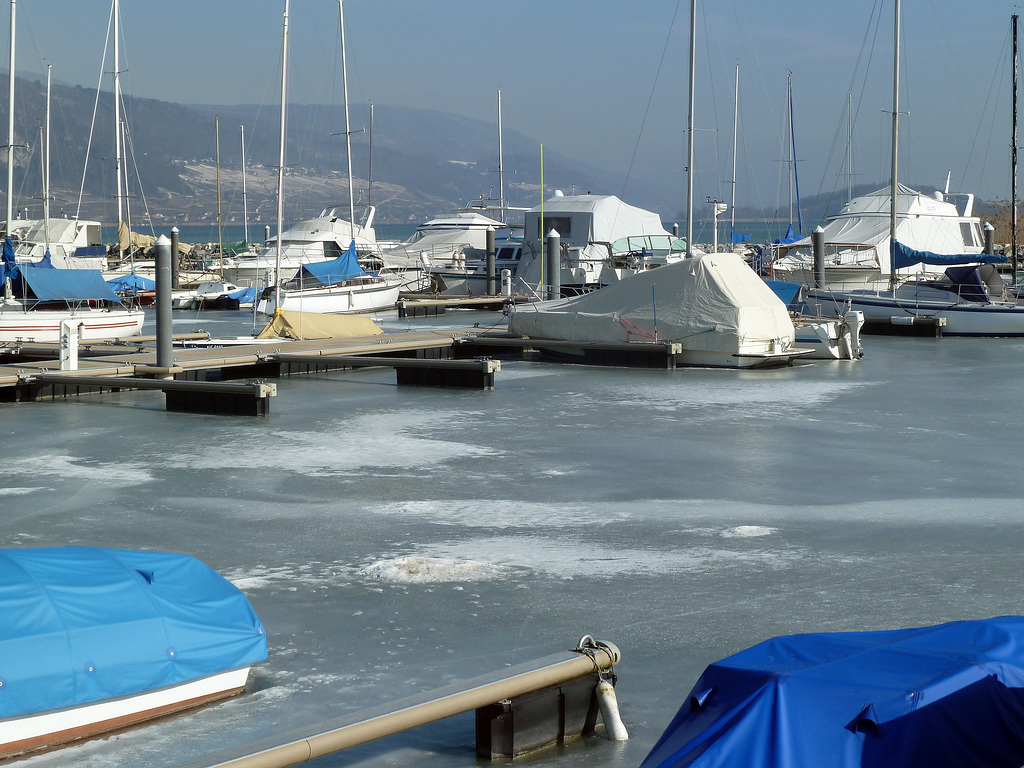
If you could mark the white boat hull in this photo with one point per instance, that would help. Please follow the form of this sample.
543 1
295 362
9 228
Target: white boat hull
334 300
44 325
961 319
48 729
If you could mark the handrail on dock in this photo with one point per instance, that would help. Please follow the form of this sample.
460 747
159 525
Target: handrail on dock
369 725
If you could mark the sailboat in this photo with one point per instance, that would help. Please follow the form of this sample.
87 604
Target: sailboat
38 303
337 286
970 299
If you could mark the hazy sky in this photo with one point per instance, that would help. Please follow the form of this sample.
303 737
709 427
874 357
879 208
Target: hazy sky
602 81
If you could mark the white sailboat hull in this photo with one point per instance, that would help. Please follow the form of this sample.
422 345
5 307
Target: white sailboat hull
961 319
337 299
44 325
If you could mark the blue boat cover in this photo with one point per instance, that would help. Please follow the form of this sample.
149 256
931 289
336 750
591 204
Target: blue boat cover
943 696
738 238
8 267
49 284
345 267
791 237
244 295
132 282
81 624
789 293
901 256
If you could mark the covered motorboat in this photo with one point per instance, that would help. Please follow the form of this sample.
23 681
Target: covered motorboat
602 240
857 238
942 696
719 312
96 639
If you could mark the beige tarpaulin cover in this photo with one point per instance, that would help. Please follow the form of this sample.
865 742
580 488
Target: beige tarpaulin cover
312 325
137 240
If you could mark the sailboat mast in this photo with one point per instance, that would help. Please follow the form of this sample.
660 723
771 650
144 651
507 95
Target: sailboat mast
46 160
118 156
689 131
1013 153
501 178
796 175
220 231
735 129
849 146
893 184
10 129
789 148
348 133
369 173
280 163
245 199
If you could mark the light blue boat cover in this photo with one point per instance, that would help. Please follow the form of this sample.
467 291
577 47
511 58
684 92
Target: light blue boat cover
345 267
943 696
901 256
67 284
80 624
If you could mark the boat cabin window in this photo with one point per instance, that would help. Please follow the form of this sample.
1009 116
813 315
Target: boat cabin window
561 224
508 253
967 231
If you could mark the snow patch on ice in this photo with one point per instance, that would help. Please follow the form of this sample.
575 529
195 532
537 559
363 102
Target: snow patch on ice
418 570
747 531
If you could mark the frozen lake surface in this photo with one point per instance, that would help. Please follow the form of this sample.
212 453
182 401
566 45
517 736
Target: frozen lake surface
397 540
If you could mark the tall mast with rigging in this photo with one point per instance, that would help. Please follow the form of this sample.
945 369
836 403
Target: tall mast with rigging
893 184
689 131
735 131
10 129
1013 153
280 163
348 133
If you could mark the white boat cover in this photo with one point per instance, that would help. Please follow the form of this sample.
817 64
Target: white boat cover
860 232
711 302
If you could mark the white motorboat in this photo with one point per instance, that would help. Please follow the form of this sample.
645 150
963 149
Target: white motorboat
602 240
857 238
107 638
322 238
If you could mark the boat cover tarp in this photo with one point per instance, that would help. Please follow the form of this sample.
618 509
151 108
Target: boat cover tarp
8 266
81 624
132 282
790 237
710 302
738 238
789 293
67 284
244 295
901 256
942 696
314 325
345 267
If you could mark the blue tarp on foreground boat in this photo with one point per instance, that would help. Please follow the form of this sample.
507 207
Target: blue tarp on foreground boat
345 267
791 294
900 256
48 284
80 624
943 696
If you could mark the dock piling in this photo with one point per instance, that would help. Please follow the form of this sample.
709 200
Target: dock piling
164 344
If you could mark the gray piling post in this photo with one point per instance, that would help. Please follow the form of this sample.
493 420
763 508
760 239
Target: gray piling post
554 265
164 340
675 230
990 238
492 289
175 280
818 249
266 234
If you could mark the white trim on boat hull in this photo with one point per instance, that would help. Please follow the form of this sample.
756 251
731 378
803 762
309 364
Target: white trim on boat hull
43 325
48 729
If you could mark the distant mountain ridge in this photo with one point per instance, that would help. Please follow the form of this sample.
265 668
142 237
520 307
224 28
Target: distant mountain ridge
425 162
